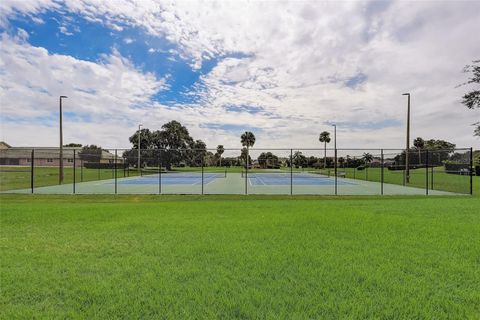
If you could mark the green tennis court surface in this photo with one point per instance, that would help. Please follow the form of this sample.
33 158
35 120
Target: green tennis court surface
233 183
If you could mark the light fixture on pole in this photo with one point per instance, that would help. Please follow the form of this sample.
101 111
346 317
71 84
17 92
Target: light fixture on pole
60 167
407 168
139 134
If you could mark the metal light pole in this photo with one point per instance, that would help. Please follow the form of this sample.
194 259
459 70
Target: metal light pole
60 174
335 147
139 134
407 173
334 136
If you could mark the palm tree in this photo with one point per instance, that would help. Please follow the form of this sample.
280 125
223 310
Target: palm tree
419 143
248 140
367 157
325 138
220 151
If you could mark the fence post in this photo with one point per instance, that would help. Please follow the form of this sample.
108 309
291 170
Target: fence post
471 171
115 167
431 178
354 170
426 172
382 172
246 174
81 170
202 173
74 171
32 169
159 172
335 170
291 171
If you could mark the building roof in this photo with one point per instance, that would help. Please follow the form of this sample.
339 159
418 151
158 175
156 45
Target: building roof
4 145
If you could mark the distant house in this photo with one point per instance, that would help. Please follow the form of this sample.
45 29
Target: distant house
46 157
377 162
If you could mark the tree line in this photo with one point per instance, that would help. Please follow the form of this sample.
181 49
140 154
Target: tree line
173 145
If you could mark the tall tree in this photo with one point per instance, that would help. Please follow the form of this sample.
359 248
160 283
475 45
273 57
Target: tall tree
341 161
325 138
433 144
367 157
419 143
299 159
472 99
220 151
440 150
145 139
173 139
199 151
73 145
248 140
90 153
244 155
268 160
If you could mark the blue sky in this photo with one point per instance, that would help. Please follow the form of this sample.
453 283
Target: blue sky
284 71
72 35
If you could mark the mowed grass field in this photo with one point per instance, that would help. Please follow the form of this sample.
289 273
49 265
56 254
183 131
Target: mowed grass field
231 257
418 178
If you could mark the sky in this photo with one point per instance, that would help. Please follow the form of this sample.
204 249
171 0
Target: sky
284 70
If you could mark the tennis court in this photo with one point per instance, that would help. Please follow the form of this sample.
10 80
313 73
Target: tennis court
270 171
268 183
180 178
285 178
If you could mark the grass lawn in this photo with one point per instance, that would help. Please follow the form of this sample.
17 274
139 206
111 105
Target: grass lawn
12 178
441 180
180 257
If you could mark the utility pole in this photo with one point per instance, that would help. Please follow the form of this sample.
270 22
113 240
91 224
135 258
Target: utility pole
407 173
60 174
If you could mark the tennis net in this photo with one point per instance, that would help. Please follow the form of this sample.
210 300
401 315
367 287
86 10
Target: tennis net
183 174
284 174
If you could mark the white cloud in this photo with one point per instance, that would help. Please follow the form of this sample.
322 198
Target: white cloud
22 35
8 8
104 94
296 58
65 31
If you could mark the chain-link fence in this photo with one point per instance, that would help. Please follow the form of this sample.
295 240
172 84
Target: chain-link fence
237 171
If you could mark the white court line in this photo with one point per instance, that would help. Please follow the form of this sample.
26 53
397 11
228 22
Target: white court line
261 180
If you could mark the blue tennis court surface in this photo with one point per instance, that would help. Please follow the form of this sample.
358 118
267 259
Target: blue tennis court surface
171 179
275 179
